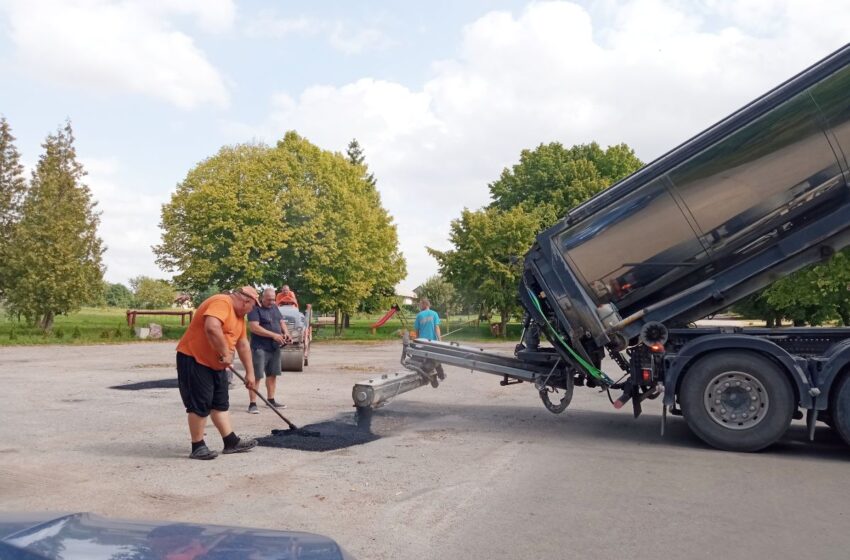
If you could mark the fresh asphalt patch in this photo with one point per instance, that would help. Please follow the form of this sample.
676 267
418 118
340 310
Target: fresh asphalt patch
170 383
344 431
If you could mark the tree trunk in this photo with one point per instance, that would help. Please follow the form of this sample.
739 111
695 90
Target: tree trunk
346 320
770 322
503 325
46 322
336 322
845 317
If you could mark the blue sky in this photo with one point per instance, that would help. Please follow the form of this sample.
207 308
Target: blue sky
442 95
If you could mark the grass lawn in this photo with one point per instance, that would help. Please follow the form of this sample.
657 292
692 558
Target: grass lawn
109 325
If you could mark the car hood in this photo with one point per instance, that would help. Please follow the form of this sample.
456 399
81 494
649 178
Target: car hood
91 537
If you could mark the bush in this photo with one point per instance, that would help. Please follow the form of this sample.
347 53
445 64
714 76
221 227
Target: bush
58 332
13 335
76 333
104 334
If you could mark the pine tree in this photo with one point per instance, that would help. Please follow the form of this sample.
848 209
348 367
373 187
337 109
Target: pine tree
54 257
12 189
356 157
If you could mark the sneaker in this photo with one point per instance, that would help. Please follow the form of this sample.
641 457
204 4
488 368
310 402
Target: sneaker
203 453
241 446
252 408
276 404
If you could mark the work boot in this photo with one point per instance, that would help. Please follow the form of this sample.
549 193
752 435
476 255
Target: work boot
241 446
203 453
252 408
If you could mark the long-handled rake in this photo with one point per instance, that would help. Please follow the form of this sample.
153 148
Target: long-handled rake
293 429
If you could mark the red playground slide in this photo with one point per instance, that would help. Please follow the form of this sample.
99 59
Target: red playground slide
385 318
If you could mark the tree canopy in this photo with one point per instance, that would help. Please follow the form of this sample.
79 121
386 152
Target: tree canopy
12 190
442 295
290 213
486 262
554 179
151 293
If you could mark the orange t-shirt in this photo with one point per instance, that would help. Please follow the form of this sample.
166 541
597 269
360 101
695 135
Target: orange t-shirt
195 343
282 298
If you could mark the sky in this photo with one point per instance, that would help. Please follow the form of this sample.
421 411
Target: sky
442 96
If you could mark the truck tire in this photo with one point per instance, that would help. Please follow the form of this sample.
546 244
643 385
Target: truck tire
840 407
737 401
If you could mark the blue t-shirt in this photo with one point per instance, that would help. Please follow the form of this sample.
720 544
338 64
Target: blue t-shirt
269 318
426 324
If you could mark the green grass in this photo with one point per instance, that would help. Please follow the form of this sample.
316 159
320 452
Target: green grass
109 326
89 326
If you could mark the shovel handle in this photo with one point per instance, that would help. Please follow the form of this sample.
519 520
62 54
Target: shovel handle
274 408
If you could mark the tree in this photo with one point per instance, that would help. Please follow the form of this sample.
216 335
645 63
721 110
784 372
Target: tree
118 295
552 180
292 213
442 295
54 258
151 293
815 294
12 190
356 157
344 247
222 225
485 264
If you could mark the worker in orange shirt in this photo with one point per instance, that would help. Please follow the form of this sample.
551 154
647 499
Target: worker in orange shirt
204 353
286 297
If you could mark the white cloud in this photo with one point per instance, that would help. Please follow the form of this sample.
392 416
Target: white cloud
358 40
347 38
129 221
120 47
266 24
645 72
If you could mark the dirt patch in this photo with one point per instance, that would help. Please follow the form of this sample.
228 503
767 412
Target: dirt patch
170 383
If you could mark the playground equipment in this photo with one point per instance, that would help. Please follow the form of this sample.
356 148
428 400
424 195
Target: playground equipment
394 310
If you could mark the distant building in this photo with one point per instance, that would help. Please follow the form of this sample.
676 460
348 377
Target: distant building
407 296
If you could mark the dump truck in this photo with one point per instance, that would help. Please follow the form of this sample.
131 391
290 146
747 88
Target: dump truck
755 197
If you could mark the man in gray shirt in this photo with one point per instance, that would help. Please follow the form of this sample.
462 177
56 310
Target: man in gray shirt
268 334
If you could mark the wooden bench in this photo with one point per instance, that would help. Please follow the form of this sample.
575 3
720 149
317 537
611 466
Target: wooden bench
133 313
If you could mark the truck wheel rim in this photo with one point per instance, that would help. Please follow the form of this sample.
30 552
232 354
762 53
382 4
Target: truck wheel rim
736 400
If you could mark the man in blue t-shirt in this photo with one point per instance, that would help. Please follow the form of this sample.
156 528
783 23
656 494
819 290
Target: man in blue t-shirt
268 334
427 323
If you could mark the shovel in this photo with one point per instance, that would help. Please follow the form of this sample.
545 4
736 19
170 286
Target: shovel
293 429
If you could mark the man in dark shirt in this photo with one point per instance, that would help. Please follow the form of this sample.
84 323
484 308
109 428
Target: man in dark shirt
268 334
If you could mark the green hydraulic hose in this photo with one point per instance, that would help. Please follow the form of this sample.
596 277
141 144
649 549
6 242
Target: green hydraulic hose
593 371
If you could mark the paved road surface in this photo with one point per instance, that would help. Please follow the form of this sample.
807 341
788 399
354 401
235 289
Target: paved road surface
470 470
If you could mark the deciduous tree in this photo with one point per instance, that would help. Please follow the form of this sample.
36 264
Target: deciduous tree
486 262
551 179
151 293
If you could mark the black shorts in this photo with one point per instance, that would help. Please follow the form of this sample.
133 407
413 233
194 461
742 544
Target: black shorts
201 388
